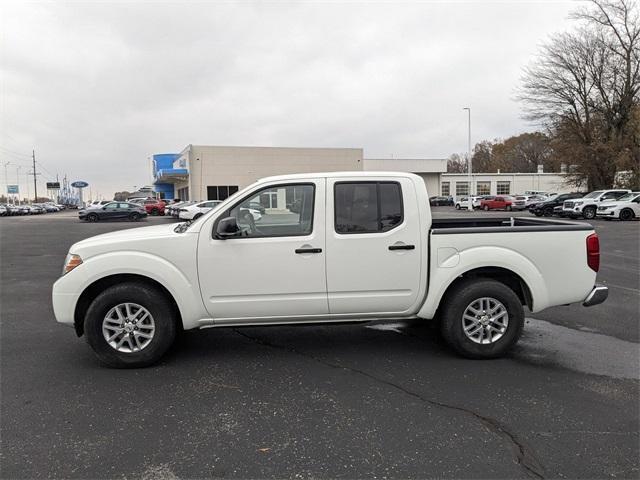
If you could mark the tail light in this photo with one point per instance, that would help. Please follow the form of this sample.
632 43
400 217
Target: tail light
593 252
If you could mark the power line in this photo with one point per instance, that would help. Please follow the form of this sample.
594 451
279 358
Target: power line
14 152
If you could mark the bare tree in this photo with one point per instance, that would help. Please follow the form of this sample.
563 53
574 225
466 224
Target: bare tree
456 163
584 87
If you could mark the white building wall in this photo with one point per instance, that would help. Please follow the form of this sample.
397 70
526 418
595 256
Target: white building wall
518 182
430 169
242 166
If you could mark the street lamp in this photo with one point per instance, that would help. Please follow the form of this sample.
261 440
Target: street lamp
6 180
470 203
18 181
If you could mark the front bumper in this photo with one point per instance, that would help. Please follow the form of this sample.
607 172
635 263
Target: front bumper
598 295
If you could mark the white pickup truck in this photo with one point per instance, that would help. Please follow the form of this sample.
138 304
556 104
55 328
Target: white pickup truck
331 247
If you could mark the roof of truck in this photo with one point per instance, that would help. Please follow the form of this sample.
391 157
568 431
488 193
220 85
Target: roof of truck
298 176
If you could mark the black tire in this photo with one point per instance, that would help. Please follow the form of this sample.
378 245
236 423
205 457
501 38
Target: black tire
486 208
134 217
148 297
537 213
92 217
457 206
456 302
589 213
197 216
626 215
154 211
548 212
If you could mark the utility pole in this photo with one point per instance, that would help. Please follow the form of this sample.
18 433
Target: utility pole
35 183
18 181
6 181
470 202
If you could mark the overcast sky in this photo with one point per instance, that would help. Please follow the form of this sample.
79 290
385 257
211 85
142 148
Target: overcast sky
96 88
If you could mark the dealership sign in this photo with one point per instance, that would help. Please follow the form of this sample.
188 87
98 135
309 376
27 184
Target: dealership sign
53 185
79 184
13 189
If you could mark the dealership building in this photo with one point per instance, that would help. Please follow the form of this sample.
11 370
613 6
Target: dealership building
201 172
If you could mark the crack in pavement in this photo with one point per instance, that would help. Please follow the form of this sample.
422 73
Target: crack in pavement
524 457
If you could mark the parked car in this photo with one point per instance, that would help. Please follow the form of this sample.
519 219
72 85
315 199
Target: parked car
130 291
257 206
195 211
154 206
499 202
97 204
463 202
12 209
523 202
176 208
114 211
550 207
625 208
441 201
587 206
3 210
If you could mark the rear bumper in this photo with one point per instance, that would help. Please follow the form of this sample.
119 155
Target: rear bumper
598 295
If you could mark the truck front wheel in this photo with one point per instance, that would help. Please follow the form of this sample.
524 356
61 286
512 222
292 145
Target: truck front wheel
130 325
482 318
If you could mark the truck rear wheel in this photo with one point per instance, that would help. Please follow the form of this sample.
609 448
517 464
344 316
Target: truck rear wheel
130 325
482 318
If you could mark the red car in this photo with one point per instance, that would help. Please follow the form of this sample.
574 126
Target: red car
154 207
500 202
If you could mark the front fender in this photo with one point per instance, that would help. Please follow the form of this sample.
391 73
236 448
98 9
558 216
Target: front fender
482 257
185 292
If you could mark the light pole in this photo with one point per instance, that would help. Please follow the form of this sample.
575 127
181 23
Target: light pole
468 109
18 181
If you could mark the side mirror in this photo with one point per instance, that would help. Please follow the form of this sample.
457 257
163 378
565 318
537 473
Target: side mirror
227 228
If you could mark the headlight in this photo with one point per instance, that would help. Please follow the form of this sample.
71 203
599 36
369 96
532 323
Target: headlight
578 203
71 262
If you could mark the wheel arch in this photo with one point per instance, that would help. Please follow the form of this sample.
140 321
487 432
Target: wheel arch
500 274
90 293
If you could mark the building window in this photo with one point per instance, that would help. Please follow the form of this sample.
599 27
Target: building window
445 189
483 188
504 188
462 188
183 194
367 207
221 192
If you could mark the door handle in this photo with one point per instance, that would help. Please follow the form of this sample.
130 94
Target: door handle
308 250
402 247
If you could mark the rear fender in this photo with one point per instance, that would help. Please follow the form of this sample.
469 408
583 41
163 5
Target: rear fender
482 257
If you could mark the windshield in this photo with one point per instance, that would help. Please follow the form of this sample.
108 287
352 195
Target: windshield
595 194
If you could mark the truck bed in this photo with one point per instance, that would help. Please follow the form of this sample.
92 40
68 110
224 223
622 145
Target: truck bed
443 226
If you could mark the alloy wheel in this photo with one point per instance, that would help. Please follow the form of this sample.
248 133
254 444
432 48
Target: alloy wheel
485 320
128 327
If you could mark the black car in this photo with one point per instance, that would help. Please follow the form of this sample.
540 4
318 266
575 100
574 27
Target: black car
441 201
114 211
546 208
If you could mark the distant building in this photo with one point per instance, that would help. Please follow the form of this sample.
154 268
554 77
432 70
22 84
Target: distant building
203 172
457 184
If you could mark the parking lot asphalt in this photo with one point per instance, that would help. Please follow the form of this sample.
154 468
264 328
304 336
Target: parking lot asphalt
386 400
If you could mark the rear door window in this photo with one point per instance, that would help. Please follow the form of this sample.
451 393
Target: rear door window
367 207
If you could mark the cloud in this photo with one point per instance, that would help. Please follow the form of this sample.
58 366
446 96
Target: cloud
98 88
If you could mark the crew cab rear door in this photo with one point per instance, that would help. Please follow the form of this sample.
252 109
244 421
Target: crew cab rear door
374 251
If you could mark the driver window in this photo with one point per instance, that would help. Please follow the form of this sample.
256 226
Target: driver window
284 210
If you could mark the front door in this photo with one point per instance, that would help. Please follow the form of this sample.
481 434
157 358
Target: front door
374 255
275 270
